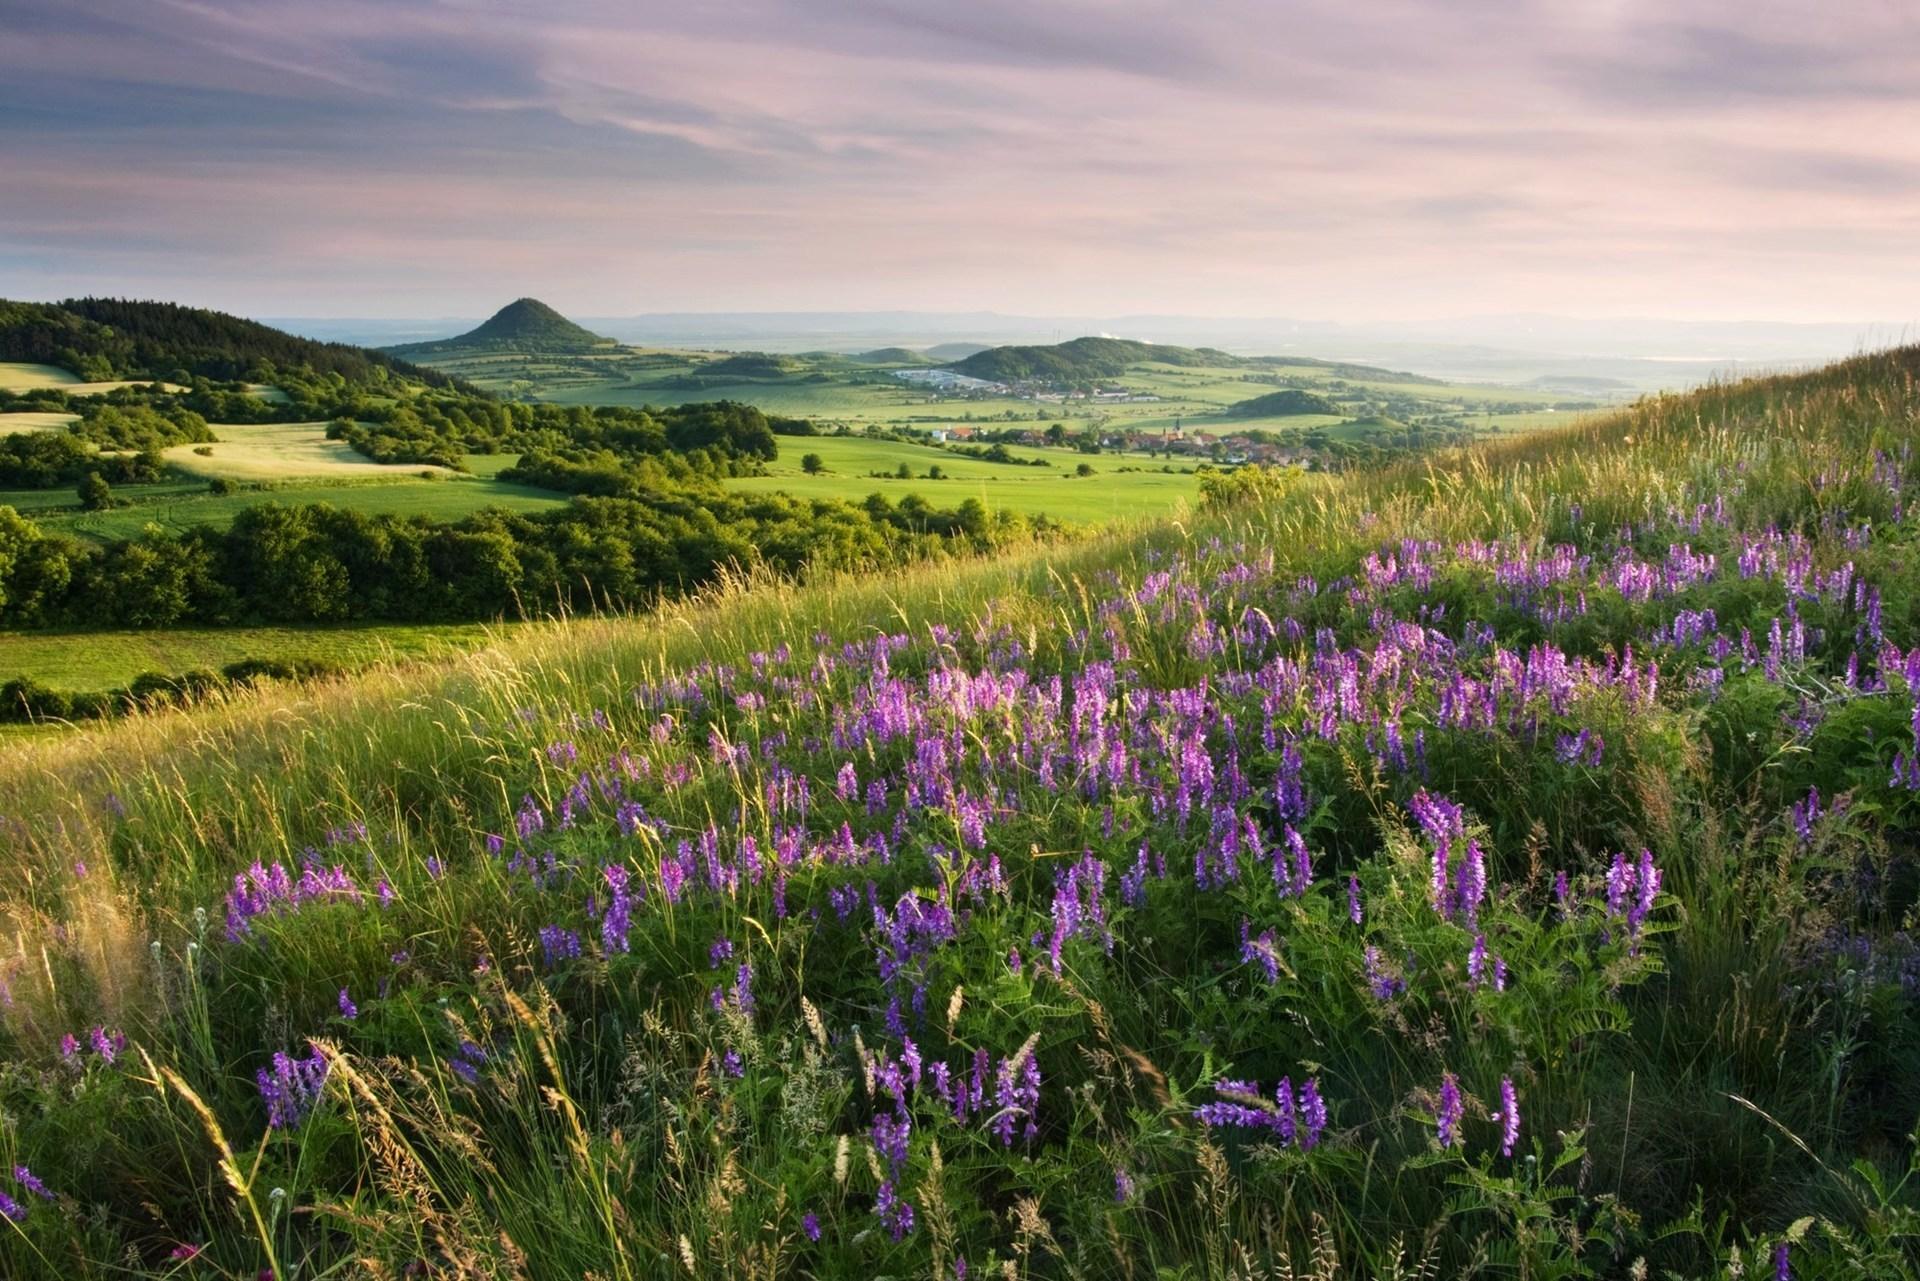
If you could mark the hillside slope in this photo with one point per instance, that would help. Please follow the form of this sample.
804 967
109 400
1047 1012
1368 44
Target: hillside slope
108 338
1475 865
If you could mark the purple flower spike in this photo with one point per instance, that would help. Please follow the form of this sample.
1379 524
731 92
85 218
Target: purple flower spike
1450 1112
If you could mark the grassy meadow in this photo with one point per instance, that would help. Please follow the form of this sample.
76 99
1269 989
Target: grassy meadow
1498 865
181 504
282 451
93 660
1123 487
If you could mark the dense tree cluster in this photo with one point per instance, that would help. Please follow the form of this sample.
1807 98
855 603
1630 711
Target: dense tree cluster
121 445
302 564
443 429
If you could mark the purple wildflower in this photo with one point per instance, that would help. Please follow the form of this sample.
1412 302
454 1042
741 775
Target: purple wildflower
1313 1114
1122 1185
558 944
290 1087
1509 1116
11 1209
1353 899
895 1213
348 1010
810 1224
1450 1112
26 1179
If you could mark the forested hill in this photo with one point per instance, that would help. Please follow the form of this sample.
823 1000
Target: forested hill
1082 360
525 324
108 338
1283 403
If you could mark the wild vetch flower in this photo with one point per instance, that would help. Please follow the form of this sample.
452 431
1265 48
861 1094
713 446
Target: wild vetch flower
69 1047
810 1224
107 1046
743 988
184 1252
1448 1116
558 944
1384 981
1353 899
1017 1094
348 1010
11 1209
1508 1116
619 916
1782 1265
26 1179
291 1087
1122 1185
1261 950
895 1213
1805 814
1477 962
1313 1114
731 1064
722 950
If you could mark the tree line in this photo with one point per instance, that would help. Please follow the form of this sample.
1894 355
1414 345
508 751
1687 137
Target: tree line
317 563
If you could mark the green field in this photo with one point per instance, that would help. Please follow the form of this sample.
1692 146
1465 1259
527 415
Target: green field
181 504
1123 485
103 660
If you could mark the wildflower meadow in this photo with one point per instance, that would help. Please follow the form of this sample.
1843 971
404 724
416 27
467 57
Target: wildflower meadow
1498 865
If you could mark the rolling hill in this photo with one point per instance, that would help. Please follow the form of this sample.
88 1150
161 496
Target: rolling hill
525 324
1282 404
1080 360
109 338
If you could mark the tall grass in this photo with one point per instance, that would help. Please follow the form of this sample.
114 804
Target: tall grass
1699 1087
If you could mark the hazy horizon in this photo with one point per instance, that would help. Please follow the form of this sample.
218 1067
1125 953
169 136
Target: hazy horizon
1703 160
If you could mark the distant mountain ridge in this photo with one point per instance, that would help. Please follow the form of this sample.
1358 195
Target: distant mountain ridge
524 324
1082 360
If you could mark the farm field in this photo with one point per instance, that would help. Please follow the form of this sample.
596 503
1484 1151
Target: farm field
16 376
283 451
1435 871
95 660
31 420
1123 486
182 504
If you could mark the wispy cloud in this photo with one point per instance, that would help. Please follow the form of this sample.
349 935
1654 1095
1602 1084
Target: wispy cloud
1693 157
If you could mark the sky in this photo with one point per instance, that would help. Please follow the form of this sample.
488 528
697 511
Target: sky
1724 159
